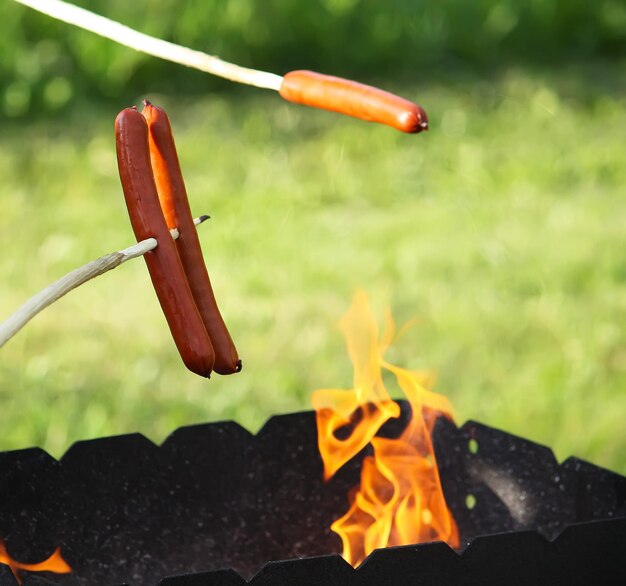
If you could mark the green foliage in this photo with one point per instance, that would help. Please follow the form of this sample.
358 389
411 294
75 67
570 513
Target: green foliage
47 65
501 230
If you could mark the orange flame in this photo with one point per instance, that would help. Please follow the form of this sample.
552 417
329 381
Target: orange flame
55 563
400 500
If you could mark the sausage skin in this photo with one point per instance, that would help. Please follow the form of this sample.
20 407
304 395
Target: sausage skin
354 99
164 265
175 205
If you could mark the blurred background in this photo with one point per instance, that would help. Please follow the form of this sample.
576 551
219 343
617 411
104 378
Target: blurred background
502 229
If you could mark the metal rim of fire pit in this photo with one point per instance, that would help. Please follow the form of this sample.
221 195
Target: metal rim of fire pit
215 496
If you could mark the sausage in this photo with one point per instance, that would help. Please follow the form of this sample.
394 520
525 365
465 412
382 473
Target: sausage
175 206
164 265
354 99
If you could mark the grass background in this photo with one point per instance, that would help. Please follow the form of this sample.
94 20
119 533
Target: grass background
502 230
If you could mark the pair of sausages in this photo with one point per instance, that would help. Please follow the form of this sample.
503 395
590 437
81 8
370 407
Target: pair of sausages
156 199
354 99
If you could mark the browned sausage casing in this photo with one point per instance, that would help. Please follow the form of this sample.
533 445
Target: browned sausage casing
164 265
354 99
175 206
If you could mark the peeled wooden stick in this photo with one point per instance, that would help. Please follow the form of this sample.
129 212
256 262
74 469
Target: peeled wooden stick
124 35
15 322
301 87
152 46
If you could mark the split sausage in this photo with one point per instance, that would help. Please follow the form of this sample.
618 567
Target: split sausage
164 264
175 206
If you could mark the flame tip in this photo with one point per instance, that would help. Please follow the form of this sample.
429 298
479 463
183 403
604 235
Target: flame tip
54 563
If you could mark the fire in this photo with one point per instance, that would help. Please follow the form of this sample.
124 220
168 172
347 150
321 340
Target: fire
55 563
400 500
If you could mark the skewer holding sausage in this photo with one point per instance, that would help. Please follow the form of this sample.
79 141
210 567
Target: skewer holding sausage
302 87
175 206
164 264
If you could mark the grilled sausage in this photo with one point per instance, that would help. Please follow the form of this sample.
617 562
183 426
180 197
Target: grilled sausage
175 206
354 99
164 265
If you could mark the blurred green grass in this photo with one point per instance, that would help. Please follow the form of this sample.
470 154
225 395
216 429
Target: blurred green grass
502 230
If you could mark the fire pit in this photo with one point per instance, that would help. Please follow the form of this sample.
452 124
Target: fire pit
214 504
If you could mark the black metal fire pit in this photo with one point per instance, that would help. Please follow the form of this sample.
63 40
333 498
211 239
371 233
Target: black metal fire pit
214 504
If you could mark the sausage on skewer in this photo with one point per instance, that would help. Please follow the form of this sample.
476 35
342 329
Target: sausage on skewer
164 264
354 99
175 206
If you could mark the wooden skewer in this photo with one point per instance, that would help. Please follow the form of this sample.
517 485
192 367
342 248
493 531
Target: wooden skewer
128 37
15 322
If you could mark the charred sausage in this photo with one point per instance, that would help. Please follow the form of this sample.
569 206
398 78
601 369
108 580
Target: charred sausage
175 206
164 264
354 99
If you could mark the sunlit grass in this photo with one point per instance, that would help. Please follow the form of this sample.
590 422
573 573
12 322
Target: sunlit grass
502 230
